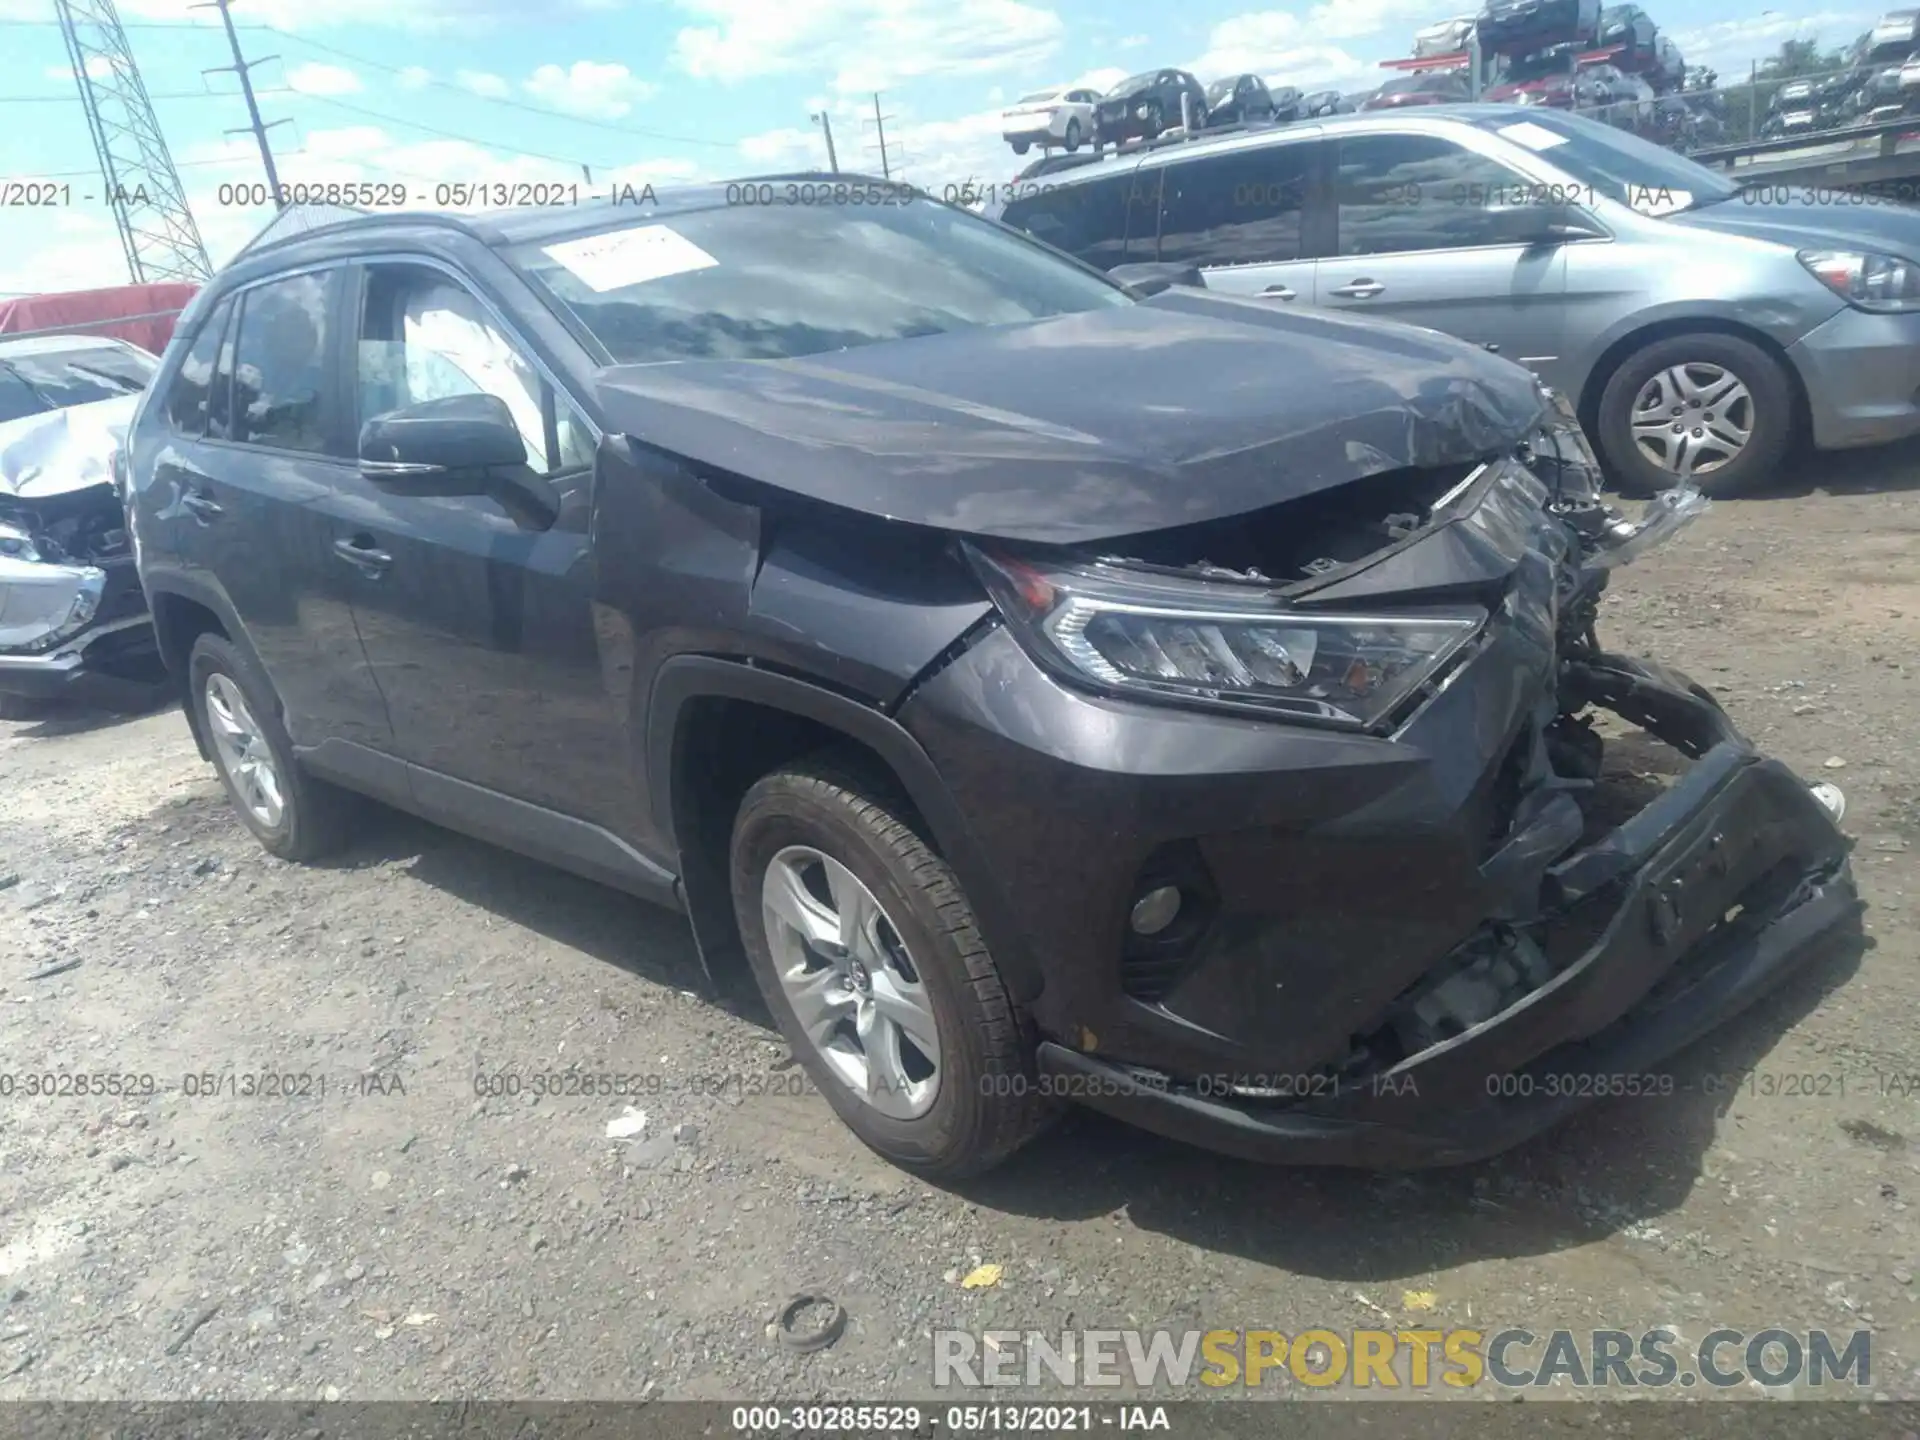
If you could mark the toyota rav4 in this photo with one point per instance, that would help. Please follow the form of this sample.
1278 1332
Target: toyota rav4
1043 690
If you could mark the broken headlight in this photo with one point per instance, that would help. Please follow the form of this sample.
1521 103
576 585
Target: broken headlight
1174 637
16 543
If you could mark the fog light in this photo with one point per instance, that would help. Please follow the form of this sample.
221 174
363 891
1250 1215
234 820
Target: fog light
1156 910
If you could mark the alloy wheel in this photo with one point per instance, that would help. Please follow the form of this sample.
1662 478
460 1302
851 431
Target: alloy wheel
1692 419
242 750
854 988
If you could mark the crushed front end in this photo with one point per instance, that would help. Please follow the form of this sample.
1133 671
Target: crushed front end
73 620
1332 834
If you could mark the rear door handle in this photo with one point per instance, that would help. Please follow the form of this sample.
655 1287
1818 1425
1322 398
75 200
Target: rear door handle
361 553
1278 292
1360 290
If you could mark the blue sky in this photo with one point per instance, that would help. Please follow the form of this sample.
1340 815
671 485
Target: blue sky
426 91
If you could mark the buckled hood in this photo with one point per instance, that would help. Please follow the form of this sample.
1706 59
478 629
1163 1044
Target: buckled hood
1185 407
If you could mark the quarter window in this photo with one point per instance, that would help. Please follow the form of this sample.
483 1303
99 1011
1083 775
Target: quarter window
1420 192
1239 209
192 390
279 365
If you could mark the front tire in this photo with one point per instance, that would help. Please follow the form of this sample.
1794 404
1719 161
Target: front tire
1706 407
1073 136
867 953
292 814
1020 147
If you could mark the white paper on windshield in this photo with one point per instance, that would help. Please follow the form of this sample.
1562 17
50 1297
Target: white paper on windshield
1534 137
1658 200
630 257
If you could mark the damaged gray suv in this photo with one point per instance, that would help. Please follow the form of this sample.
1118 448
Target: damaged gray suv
1043 692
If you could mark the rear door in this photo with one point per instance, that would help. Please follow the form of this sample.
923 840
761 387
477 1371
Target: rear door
1419 235
1241 216
1085 218
256 441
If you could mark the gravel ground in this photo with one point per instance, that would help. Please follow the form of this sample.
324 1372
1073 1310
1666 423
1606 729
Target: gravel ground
400 1236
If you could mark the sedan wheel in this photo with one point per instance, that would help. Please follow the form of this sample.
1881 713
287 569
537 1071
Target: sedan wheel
1073 136
855 990
1693 419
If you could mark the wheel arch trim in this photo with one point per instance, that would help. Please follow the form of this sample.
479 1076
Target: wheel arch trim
688 678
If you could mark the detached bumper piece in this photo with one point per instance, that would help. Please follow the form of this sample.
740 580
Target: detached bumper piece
78 632
1639 942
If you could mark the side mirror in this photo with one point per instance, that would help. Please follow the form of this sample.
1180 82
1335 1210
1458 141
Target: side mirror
1151 277
457 433
1551 224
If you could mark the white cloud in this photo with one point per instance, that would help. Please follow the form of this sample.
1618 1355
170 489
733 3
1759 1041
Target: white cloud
418 15
484 82
1132 42
862 44
1735 44
937 155
588 87
1285 50
314 78
98 66
1101 80
415 77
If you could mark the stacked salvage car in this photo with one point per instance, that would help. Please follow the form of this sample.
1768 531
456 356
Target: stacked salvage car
1611 62
73 621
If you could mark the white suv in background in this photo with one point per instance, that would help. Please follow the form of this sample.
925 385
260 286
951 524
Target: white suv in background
1049 117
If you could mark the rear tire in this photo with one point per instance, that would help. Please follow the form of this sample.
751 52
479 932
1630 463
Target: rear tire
1073 136
825 842
1684 380
292 814
1020 147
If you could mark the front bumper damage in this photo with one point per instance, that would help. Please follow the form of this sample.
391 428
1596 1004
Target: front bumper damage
1415 948
1685 914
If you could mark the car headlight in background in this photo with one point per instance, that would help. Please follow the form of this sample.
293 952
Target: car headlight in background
16 543
1220 643
1866 278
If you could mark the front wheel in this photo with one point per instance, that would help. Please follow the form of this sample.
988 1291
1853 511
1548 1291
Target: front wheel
1153 122
1020 147
1712 409
865 948
1073 136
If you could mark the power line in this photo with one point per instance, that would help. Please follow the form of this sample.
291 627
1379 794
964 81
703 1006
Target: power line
507 101
176 95
178 165
446 134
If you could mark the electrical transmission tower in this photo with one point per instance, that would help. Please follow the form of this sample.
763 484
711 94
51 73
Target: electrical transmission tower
149 207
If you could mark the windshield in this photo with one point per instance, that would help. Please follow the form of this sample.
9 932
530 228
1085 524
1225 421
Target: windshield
1620 166
1135 82
56 379
1220 89
1039 97
774 283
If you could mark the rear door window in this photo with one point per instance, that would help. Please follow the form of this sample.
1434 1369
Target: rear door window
1245 208
1088 220
280 363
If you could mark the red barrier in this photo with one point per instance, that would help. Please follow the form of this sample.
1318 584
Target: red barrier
142 314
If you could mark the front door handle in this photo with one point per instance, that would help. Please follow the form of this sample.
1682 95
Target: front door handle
361 553
202 506
1278 292
1360 290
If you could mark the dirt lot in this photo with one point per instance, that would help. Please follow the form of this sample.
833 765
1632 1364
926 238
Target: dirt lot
402 1236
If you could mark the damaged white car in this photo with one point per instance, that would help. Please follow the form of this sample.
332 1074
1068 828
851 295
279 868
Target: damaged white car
73 620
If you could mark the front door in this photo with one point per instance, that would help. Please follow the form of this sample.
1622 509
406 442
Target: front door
1419 236
476 609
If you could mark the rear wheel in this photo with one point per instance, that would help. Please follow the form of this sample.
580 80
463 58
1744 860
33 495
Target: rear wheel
1073 135
1020 147
867 953
1153 122
292 814
1712 409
